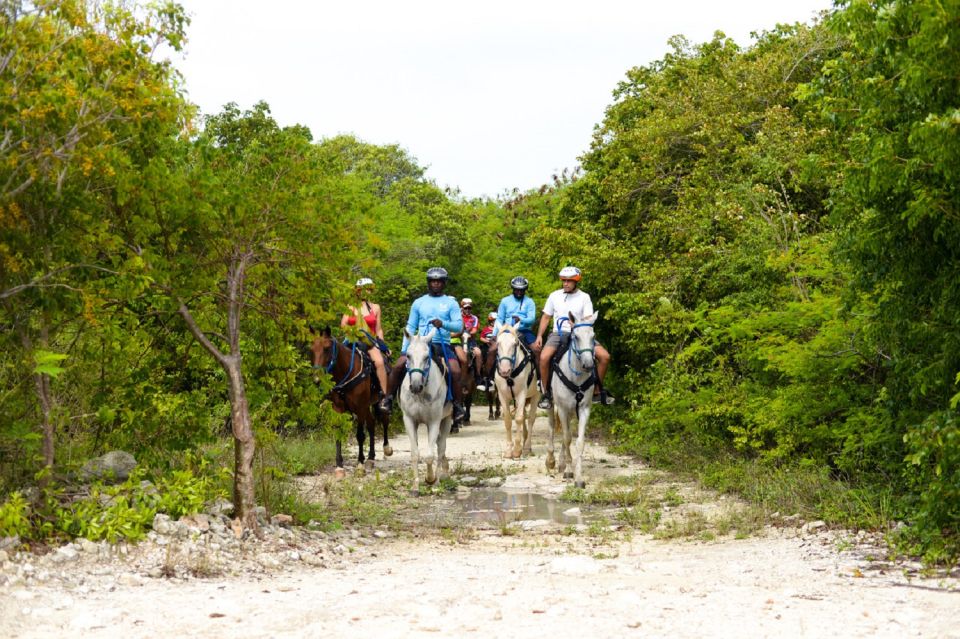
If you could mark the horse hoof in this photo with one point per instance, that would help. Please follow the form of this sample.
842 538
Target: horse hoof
339 473
387 451
454 429
580 484
567 475
368 465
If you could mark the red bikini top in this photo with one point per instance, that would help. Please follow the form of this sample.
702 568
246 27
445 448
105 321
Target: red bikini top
370 319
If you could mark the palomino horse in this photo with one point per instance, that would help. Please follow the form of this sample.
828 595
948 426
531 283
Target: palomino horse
573 384
353 379
423 399
516 381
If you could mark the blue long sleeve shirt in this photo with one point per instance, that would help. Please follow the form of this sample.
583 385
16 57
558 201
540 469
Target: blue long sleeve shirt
428 308
524 308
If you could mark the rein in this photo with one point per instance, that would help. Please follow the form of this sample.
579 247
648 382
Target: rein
514 369
347 383
577 389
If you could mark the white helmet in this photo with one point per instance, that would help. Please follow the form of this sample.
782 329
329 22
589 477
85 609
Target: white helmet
364 281
491 315
466 302
570 273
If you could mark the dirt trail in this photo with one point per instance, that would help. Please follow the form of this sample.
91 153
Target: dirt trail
541 582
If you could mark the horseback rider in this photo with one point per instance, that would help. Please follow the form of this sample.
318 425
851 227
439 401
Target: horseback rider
442 312
372 336
521 311
565 300
468 339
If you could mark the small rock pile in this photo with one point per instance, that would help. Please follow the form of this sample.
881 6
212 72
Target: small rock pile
204 545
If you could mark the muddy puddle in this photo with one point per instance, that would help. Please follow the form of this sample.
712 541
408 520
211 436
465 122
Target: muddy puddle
500 506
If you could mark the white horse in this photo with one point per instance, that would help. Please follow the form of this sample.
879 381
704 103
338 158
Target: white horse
516 382
423 400
573 386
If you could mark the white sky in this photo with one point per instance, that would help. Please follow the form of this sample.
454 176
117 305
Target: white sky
488 96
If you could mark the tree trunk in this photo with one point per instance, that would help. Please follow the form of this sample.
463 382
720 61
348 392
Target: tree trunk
244 494
41 384
244 500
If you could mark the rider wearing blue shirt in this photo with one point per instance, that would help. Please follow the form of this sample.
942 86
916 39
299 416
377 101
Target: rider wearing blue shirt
433 310
519 310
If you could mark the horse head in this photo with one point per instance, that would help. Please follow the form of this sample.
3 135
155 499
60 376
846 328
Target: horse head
418 360
324 349
582 341
507 341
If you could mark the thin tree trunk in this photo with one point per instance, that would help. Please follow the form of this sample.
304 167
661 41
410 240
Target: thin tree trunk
244 493
41 384
244 447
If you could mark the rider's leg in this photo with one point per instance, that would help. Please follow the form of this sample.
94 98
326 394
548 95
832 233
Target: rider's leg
396 378
457 390
380 366
545 356
490 362
461 356
476 362
603 360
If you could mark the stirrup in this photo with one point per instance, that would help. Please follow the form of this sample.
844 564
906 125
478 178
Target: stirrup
604 398
459 412
386 404
545 402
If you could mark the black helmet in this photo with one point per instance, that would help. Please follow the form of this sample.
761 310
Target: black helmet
437 273
519 282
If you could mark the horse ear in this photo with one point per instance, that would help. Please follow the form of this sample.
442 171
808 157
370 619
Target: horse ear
406 333
591 319
430 334
572 320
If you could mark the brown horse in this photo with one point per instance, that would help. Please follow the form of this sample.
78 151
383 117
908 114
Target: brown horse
468 380
354 391
493 402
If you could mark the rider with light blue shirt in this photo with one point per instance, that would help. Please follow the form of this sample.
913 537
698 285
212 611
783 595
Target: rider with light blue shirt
520 311
433 310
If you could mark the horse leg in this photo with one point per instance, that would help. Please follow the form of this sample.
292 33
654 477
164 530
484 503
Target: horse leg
508 425
443 466
566 460
551 462
360 457
384 418
433 434
365 422
411 427
339 472
530 414
582 416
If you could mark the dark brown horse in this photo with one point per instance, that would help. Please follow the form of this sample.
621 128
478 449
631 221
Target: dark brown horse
493 402
354 391
468 380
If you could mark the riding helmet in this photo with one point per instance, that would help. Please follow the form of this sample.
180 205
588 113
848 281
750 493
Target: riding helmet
519 282
570 273
364 281
465 302
437 273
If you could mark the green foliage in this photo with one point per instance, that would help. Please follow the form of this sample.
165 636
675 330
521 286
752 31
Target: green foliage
14 521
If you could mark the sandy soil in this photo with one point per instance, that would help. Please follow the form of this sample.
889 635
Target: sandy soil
787 581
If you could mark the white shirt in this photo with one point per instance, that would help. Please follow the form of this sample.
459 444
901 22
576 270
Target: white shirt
560 304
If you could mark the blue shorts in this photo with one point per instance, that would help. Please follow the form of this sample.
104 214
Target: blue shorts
528 336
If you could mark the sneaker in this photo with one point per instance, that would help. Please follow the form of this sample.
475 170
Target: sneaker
606 399
386 404
545 402
458 413
482 387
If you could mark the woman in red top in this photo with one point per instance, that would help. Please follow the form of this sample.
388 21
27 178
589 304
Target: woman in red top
366 315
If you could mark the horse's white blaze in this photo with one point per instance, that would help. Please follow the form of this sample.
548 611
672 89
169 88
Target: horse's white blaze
520 405
423 400
577 366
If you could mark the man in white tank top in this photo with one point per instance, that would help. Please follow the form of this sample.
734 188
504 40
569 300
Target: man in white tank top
562 302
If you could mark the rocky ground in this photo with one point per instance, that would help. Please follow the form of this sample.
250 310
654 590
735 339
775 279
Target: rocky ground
445 570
